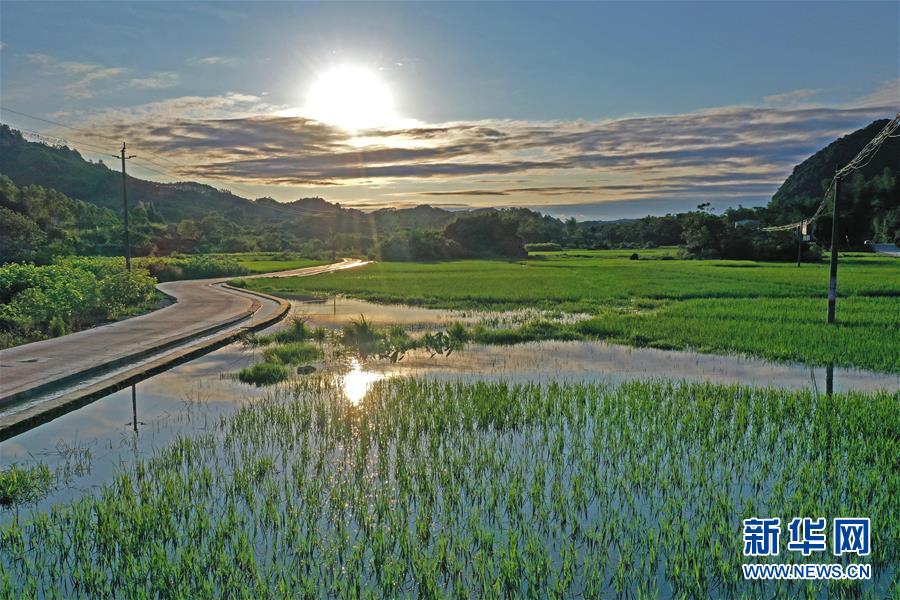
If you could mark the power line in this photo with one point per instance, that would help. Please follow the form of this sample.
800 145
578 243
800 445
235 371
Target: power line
57 123
866 154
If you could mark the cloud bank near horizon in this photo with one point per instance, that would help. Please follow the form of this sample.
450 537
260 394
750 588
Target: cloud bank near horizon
726 155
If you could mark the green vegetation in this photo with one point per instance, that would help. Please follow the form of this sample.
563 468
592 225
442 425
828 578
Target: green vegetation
483 234
297 330
431 489
770 310
269 263
870 202
263 373
178 267
284 348
39 223
39 302
75 293
292 353
21 485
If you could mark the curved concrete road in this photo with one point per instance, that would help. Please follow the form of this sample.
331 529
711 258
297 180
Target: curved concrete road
203 307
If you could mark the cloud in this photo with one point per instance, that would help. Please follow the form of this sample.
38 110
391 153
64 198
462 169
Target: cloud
84 79
733 154
213 60
163 79
155 81
83 75
888 94
791 98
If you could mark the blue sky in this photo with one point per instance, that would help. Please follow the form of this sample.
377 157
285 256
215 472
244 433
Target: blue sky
596 110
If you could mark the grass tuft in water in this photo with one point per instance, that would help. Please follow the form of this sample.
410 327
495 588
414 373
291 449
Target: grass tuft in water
22 485
292 353
264 373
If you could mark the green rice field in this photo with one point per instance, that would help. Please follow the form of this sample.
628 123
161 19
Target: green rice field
428 489
771 310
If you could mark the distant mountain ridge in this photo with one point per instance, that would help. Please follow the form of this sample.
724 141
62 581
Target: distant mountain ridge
870 205
66 171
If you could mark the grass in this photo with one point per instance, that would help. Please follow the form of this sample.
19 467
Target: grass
270 262
292 353
263 373
770 310
21 485
429 489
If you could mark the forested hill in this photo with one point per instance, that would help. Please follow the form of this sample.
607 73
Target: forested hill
870 197
65 170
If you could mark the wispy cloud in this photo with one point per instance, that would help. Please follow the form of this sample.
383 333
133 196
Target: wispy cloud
164 79
82 75
888 94
83 80
213 60
791 98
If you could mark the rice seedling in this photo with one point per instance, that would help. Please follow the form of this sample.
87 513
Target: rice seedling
21 485
439 489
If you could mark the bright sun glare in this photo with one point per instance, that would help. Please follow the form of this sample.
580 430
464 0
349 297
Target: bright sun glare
351 97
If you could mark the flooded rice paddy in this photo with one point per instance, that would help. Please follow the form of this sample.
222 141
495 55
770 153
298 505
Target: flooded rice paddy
119 428
100 443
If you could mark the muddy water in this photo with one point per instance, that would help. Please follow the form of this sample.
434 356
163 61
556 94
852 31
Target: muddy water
87 445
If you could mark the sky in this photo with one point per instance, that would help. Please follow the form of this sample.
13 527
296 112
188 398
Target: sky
592 110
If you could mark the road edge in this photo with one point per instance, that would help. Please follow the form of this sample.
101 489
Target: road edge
48 410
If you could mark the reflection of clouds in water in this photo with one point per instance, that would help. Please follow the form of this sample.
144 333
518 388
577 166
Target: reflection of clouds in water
337 312
12 451
598 361
356 381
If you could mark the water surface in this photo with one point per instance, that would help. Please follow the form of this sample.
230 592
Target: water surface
90 443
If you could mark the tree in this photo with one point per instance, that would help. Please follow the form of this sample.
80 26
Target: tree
486 235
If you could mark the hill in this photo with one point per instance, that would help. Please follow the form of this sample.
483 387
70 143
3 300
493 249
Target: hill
66 171
870 198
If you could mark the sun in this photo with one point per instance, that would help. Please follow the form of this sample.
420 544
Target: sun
351 97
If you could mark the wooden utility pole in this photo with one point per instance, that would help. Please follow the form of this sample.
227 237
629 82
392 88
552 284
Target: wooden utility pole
832 279
125 207
333 242
799 243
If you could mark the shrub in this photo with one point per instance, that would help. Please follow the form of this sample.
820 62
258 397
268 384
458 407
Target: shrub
296 331
543 247
175 268
41 301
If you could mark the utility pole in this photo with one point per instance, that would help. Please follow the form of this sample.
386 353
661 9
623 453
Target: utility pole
125 207
333 244
832 279
799 243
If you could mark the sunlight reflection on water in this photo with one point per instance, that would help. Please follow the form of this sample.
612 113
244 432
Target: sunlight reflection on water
356 381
